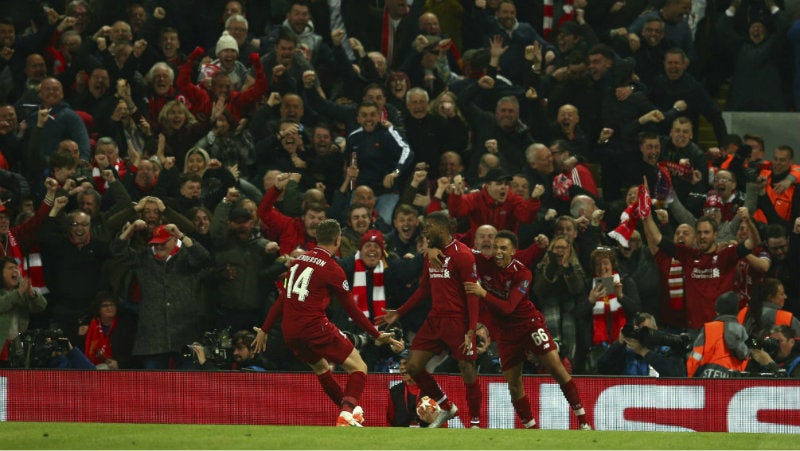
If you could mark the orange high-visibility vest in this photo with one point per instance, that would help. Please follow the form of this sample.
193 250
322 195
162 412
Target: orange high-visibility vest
713 351
782 317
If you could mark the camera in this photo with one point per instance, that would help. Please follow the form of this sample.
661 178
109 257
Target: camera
217 346
35 348
766 344
653 338
359 340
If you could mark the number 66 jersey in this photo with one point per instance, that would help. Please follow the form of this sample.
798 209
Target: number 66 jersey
519 326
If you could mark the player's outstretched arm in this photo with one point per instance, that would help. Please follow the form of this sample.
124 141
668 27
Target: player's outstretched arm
259 343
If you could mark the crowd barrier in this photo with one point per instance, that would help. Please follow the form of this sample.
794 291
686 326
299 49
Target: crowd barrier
618 403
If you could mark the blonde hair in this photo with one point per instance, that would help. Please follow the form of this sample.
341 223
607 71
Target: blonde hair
162 115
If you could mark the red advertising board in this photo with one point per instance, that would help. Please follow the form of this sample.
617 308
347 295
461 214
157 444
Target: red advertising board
619 403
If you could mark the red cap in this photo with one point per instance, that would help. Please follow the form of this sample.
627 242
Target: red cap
160 235
375 236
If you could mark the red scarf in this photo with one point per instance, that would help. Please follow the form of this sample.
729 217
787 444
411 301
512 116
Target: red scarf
387 37
675 285
608 317
98 343
174 251
629 218
360 287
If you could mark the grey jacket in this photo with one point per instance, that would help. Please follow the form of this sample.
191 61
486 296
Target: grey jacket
170 315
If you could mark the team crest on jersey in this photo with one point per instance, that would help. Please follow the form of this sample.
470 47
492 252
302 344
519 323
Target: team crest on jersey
446 261
345 285
523 287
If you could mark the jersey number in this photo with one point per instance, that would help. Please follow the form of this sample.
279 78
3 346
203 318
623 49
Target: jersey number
299 286
539 337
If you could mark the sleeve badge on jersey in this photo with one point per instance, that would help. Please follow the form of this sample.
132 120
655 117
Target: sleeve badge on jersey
523 287
345 285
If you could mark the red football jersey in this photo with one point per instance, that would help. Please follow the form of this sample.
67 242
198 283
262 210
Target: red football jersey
310 282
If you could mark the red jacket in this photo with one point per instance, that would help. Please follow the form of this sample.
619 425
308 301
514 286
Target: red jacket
483 209
290 232
239 101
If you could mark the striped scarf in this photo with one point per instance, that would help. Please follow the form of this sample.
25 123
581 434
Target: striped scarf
608 317
360 288
675 285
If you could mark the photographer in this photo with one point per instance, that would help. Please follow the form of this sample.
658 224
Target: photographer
244 357
720 350
783 354
641 351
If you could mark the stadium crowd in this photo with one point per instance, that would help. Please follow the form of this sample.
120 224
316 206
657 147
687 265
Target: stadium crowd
164 162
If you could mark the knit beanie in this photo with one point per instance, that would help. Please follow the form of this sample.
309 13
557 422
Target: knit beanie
226 41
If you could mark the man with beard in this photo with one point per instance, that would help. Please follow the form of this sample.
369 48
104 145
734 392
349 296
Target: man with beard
291 233
452 322
95 97
241 291
358 223
709 268
72 259
493 204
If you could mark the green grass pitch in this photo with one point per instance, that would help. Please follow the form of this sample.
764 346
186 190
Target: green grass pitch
15 435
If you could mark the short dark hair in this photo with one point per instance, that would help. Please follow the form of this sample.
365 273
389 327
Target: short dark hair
368 104
245 337
63 159
285 34
327 231
439 218
314 206
644 136
509 235
601 49
708 219
786 148
774 231
189 177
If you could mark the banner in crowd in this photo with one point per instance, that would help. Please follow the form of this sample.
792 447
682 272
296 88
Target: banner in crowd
612 403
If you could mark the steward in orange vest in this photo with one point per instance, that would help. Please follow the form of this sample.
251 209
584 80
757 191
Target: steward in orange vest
720 348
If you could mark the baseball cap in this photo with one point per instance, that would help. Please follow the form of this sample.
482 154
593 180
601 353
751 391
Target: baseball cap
160 235
374 236
497 175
